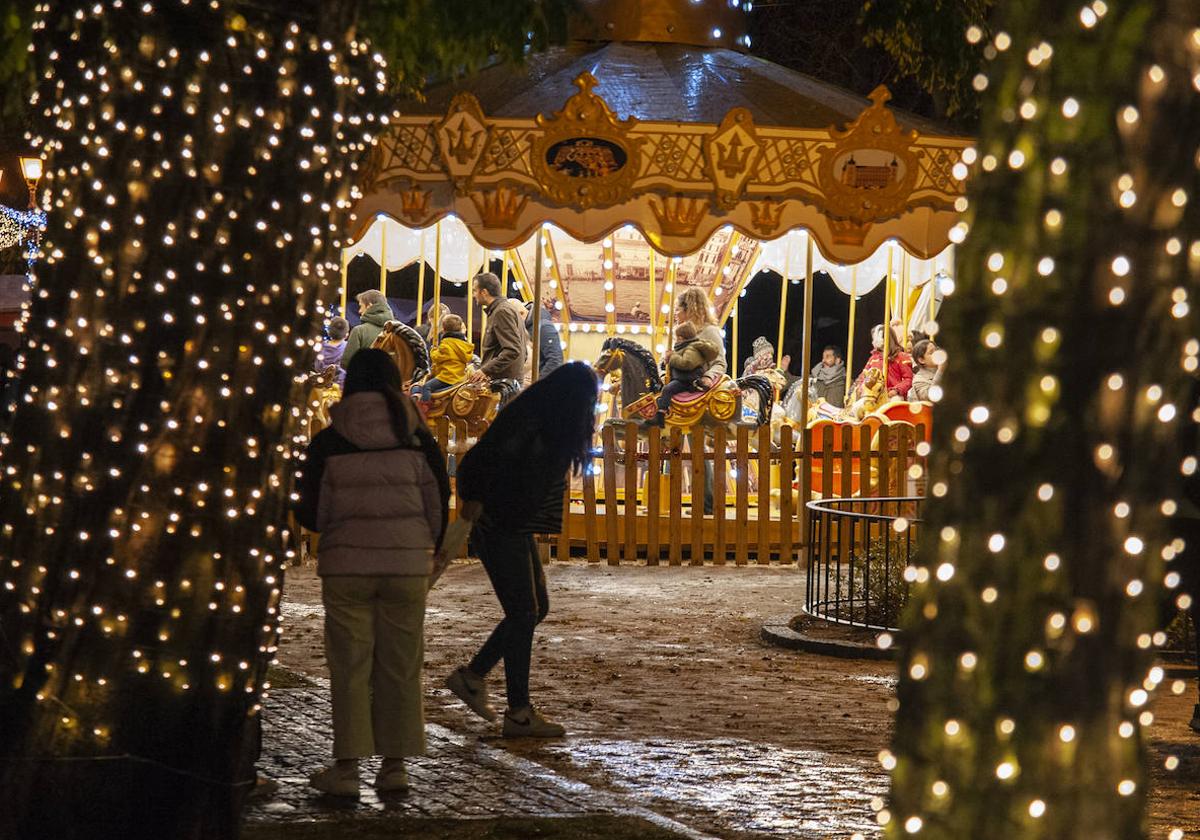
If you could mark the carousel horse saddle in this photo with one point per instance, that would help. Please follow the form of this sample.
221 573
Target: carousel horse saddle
691 396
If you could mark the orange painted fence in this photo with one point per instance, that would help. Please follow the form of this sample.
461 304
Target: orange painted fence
635 502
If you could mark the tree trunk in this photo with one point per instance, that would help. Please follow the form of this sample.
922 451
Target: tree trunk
195 159
1057 461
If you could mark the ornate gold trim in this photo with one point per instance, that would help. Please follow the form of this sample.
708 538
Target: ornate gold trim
864 194
766 215
732 154
585 156
499 208
679 215
414 204
462 136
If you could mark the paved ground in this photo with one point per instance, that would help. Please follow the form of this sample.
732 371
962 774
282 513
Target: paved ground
459 778
673 704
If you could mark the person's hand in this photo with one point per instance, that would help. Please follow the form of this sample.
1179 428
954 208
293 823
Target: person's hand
705 382
893 394
478 377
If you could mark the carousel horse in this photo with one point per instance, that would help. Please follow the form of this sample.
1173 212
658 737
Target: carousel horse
407 350
641 383
866 398
323 392
475 404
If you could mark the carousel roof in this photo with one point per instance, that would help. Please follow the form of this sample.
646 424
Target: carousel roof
663 82
671 132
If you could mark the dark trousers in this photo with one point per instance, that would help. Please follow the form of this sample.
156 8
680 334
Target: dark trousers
515 569
673 388
432 385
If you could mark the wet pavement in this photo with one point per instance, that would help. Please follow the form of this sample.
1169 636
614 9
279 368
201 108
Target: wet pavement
758 789
721 785
460 777
673 704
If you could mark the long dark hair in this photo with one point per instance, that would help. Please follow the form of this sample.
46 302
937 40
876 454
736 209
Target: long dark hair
374 370
561 408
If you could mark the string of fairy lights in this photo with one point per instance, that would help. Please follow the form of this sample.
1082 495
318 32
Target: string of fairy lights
992 730
193 185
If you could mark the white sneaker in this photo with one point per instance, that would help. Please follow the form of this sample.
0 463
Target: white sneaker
336 781
472 690
392 777
527 723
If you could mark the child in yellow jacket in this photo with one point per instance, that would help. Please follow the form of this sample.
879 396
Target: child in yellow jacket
449 358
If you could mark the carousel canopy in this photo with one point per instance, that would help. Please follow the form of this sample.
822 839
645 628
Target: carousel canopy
671 83
654 122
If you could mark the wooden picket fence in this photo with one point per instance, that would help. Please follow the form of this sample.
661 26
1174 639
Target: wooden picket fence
636 502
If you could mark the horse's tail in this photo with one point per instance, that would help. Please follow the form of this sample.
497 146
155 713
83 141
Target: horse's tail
766 395
507 389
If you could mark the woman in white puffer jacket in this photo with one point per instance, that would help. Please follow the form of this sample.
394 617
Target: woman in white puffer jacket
374 486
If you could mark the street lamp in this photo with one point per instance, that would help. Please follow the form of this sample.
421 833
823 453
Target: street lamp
31 168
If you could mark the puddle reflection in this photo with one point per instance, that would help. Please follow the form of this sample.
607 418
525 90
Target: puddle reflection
739 784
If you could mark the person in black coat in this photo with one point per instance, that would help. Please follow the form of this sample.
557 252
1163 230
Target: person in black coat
512 484
550 355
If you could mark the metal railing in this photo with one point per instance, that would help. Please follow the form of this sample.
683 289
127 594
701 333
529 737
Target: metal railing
856 557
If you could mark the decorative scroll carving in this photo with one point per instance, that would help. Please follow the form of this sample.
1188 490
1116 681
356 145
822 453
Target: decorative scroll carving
732 153
499 208
678 215
869 173
684 179
462 135
585 156
765 215
414 204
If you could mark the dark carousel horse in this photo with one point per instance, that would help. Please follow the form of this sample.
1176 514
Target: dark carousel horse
641 384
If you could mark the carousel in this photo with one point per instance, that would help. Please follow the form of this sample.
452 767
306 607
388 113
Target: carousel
650 155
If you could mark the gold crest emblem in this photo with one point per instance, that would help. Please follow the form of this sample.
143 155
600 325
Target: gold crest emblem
585 156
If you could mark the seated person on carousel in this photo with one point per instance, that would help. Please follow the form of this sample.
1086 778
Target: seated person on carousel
899 366
449 359
689 359
827 380
332 348
763 360
929 363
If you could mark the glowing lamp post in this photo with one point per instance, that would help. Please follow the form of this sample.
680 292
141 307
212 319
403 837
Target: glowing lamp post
31 168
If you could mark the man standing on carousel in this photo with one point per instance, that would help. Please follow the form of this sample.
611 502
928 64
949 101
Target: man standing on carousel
504 345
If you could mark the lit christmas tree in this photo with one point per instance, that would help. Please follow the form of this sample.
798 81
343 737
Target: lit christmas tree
198 155
1057 464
